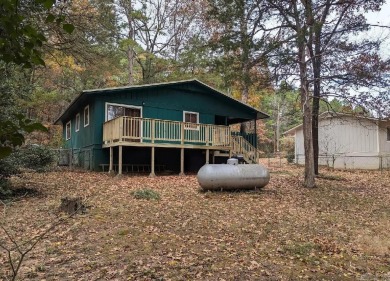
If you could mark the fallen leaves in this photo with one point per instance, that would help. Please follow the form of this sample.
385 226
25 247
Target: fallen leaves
282 232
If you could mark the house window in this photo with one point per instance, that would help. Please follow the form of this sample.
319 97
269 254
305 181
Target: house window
77 126
68 130
86 116
117 110
191 117
388 133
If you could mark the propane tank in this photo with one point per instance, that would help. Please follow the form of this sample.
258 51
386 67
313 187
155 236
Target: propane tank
232 176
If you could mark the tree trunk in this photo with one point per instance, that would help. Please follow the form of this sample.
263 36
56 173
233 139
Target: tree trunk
72 205
130 59
316 63
315 113
245 67
308 143
277 134
128 7
307 115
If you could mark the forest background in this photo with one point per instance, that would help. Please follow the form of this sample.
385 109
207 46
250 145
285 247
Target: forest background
251 50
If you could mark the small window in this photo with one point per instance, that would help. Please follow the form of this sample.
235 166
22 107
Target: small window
191 117
388 133
86 116
77 126
68 130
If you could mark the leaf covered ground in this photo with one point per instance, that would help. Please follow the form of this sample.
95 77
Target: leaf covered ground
337 231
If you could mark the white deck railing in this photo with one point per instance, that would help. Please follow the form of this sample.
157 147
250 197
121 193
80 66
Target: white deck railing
242 146
147 130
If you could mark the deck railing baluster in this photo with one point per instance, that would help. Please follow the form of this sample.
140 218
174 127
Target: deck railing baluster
136 129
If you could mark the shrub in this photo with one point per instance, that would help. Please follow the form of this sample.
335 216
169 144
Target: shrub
5 189
288 146
290 158
33 157
36 157
148 194
8 167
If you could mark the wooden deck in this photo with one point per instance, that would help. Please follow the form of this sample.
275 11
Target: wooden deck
146 132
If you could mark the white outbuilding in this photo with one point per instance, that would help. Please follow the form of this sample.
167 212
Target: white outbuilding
348 142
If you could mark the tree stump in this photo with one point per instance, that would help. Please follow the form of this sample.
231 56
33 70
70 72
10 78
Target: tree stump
72 205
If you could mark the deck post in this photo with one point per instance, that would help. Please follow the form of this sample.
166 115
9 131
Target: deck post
152 174
110 169
181 162
207 156
120 161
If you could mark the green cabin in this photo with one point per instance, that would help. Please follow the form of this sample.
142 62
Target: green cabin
175 126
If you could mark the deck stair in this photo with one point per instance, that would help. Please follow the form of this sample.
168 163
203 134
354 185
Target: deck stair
241 146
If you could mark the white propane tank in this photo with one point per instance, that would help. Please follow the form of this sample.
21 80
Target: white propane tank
232 176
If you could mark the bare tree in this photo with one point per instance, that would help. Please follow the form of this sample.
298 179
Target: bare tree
125 8
156 30
329 61
17 249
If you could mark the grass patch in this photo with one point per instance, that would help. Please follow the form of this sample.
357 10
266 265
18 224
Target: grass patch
301 249
123 232
147 194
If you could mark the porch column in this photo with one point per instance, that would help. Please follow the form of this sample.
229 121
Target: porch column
110 168
152 174
255 134
181 162
207 156
120 161
256 153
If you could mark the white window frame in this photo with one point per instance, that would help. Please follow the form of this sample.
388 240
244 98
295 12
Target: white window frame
66 130
122 105
188 125
89 116
77 124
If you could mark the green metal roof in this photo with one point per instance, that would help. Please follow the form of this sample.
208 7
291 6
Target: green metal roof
84 95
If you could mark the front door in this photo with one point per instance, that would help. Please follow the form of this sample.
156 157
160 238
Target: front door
131 126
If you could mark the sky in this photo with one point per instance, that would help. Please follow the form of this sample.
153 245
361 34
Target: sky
381 18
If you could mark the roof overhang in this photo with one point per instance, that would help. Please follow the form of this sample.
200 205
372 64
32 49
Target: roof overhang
84 95
331 114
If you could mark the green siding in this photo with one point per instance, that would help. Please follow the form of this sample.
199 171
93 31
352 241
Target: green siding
164 102
85 136
169 104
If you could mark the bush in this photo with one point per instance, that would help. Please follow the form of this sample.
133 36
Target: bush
7 169
290 158
147 194
288 146
5 188
35 157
